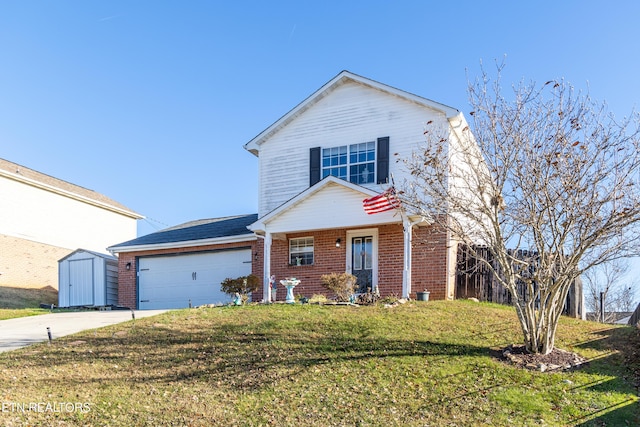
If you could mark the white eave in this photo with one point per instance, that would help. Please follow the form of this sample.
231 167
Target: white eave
260 225
253 145
182 244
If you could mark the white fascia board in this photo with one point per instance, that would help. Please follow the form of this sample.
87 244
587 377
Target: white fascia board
253 146
260 224
70 195
183 244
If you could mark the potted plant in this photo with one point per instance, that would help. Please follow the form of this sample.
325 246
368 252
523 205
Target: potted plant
422 296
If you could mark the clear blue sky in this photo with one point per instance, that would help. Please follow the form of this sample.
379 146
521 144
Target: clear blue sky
150 102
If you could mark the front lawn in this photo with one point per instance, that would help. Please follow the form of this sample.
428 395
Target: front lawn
417 364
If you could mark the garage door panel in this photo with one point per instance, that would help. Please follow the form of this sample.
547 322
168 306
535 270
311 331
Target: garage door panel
175 281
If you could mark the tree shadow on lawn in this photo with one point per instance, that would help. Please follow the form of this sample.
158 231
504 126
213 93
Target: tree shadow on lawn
252 357
622 364
235 355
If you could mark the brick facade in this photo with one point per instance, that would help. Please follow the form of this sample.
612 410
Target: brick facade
429 261
127 278
429 270
28 264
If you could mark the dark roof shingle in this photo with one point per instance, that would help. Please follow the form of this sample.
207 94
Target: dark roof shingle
230 226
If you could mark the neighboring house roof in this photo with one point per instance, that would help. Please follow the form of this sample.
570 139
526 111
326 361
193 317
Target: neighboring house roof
194 233
46 182
342 78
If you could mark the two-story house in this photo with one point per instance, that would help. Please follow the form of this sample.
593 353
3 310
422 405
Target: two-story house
317 164
43 219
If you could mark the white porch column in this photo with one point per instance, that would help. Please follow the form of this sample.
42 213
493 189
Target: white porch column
266 289
406 271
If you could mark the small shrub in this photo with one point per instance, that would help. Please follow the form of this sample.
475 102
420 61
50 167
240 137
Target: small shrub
243 285
318 299
343 284
389 299
367 298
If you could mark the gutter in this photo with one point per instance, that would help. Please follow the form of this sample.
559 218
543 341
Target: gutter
182 244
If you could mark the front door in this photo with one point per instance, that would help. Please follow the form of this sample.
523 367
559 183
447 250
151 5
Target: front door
362 262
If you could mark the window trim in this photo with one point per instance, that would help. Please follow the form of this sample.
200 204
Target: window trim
303 254
349 165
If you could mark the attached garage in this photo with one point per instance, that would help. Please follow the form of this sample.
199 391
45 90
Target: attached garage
87 278
178 281
185 265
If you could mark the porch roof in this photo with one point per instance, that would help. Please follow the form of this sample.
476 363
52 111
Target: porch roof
331 203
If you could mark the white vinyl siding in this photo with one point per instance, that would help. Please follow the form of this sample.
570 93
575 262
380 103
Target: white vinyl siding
334 206
46 217
350 114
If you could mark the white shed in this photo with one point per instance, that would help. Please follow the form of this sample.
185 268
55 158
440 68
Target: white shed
87 278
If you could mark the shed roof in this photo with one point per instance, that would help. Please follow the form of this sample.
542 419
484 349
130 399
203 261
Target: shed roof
32 177
93 253
192 233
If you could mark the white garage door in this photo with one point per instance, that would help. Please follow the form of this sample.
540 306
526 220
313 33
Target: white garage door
174 281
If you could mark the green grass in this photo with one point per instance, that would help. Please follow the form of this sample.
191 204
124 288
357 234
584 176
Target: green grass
419 364
16 298
9 313
21 302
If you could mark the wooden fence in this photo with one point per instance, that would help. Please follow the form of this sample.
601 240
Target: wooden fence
474 279
635 318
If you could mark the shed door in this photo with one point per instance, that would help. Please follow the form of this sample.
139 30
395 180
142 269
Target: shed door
177 280
81 282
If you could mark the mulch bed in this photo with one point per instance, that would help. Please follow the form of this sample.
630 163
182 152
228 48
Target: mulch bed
557 360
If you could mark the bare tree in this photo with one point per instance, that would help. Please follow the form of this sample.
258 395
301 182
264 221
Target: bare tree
607 281
547 181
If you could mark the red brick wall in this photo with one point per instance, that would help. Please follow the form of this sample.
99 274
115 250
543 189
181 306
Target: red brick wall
429 261
390 259
28 264
429 269
327 259
127 278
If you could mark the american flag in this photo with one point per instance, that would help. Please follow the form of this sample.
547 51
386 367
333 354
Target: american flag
382 202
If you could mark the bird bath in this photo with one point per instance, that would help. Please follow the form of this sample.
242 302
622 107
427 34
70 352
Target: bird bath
290 284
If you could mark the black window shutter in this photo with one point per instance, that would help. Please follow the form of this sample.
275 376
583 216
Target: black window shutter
314 166
383 160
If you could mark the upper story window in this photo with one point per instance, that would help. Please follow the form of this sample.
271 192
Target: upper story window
355 162
363 163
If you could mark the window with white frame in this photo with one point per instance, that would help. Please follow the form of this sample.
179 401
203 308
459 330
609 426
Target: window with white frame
301 251
354 163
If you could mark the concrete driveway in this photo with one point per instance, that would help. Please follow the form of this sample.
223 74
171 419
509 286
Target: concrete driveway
24 331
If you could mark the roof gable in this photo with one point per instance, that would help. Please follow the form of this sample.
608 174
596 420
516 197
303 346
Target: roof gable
330 203
342 78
